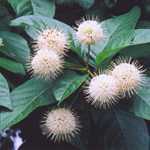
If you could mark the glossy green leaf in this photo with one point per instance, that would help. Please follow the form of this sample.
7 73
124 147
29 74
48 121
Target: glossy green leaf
68 83
26 98
5 100
141 102
5 18
122 131
36 7
121 32
12 66
83 3
118 33
140 46
15 46
33 24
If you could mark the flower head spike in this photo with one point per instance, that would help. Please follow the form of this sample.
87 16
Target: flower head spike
129 74
89 32
102 90
61 125
46 64
52 39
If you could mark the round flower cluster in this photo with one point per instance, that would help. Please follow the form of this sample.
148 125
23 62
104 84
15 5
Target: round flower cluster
124 78
129 74
50 48
89 32
46 64
61 124
52 39
102 90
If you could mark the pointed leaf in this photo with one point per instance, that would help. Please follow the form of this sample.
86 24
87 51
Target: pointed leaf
14 46
26 98
36 7
12 66
141 102
33 24
68 83
5 100
83 3
120 33
122 131
140 46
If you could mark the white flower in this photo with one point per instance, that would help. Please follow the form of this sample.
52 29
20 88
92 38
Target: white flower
89 32
129 74
61 125
46 64
52 39
1 42
102 90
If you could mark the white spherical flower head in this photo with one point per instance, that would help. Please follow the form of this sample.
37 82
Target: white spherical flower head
61 125
102 90
129 75
46 64
89 32
52 39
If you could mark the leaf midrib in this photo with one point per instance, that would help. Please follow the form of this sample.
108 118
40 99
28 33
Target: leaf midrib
26 106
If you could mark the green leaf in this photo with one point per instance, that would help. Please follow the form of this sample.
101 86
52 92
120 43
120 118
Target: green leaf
26 98
12 66
14 46
122 131
5 18
33 24
141 102
5 100
140 46
118 33
83 3
36 7
121 32
141 36
68 83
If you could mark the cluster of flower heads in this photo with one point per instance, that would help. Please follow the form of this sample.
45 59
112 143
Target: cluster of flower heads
104 89
50 48
124 78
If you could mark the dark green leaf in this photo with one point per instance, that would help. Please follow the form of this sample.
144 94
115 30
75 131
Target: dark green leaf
140 46
14 46
118 33
5 18
5 100
33 24
67 84
36 7
121 32
110 3
141 102
12 66
26 98
84 3
120 130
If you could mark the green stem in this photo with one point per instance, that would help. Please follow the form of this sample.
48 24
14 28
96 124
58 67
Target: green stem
88 56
